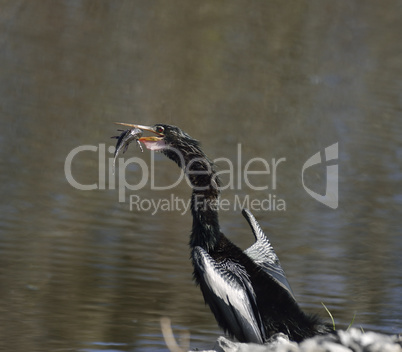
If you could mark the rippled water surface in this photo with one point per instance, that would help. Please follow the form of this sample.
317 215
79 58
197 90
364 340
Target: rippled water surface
81 271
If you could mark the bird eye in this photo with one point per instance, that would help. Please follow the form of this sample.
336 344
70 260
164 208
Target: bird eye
159 129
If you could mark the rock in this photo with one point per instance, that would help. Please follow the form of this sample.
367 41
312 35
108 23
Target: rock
352 340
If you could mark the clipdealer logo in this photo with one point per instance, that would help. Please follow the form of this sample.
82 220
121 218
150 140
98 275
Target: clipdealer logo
238 174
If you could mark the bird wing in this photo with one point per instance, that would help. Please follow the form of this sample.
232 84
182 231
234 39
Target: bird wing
228 291
263 254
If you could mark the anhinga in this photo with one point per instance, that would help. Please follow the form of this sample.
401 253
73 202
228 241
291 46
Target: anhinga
247 291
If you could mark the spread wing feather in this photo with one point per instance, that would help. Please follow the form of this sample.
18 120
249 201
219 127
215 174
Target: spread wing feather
263 254
228 291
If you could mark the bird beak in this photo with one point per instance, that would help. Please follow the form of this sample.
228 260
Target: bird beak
155 143
144 128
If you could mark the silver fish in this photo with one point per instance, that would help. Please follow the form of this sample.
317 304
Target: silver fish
124 139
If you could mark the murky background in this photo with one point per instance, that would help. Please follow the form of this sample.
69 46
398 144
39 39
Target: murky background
81 271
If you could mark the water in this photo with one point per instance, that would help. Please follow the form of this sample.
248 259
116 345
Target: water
80 271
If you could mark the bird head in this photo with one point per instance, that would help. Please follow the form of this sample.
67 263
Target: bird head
170 140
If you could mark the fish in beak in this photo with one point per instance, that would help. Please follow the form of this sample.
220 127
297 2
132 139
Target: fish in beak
124 139
155 142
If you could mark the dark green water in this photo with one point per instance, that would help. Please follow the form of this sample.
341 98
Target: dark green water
81 271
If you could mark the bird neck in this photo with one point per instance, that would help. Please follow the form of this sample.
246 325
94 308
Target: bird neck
204 199
205 230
